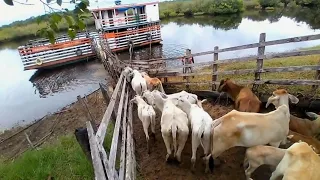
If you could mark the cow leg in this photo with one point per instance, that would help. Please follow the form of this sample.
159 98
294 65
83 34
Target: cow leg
146 124
167 143
206 150
250 170
195 144
182 139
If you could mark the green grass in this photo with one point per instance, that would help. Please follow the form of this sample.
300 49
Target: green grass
28 30
62 160
251 64
312 48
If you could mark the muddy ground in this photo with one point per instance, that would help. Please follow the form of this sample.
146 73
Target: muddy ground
153 166
70 118
150 167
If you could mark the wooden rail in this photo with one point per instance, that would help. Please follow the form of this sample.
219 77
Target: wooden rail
260 58
104 163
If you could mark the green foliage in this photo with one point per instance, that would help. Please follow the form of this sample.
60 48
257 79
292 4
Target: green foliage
62 160
174 8
251 4
286 2
269 3
75 19
308 2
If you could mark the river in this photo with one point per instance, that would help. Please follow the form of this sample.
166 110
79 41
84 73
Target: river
23 101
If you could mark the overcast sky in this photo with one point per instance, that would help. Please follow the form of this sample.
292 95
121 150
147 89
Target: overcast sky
9 14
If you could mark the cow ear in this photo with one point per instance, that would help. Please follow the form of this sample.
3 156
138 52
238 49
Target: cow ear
293 99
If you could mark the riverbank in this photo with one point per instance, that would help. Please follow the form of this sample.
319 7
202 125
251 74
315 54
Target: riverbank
28 28
59 156
306 91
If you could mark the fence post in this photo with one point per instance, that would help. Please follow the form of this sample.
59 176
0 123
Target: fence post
188 52
261 50
215 68
317 77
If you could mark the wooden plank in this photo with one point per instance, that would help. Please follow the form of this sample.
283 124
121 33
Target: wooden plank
128 159
123 143
274 81
291 69
290 54
247 71
261 51
133 164
115 137
185 74
215 67
293 82
106 117
249 46
97 164
105 161
244 59
105 95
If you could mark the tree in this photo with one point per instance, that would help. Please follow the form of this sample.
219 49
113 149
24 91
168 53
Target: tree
286 2
268 3
74 18
308 3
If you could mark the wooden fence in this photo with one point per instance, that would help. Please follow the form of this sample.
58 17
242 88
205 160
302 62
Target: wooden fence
261 57
104 163
120 110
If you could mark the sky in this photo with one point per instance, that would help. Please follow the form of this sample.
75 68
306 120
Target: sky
9 14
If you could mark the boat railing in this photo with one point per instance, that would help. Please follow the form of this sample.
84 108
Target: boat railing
122 21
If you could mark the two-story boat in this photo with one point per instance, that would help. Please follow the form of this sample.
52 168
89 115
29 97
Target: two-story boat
121 26
135 24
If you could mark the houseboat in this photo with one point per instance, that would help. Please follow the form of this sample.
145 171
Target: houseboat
41 54
128 25
122 26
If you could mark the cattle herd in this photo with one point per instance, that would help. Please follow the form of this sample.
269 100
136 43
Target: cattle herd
245 126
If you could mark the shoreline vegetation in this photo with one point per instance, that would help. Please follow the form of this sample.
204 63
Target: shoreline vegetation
28 28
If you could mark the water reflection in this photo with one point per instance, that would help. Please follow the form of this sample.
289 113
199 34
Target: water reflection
226 22
52 81
19 98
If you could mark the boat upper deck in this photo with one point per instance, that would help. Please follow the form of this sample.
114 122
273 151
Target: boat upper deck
125 16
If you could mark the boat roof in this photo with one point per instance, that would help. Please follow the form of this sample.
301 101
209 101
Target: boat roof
123 6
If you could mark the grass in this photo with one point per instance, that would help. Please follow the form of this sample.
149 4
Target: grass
251 64
64 159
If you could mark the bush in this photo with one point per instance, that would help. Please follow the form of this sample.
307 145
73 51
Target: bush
189 8
269 3
251 4
286 2
222 6
307 2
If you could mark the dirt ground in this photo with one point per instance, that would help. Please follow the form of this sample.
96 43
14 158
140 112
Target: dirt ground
150 167
70 118
153 166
